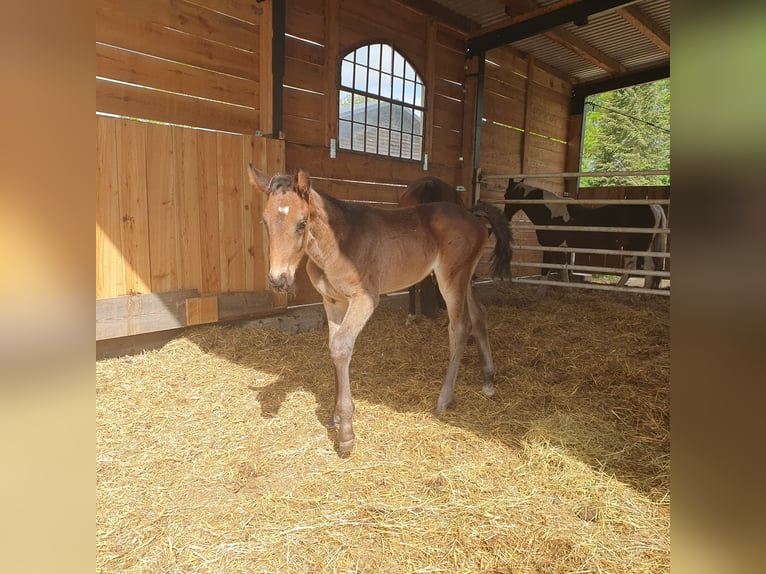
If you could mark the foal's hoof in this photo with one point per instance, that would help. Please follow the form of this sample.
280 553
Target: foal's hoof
345 447
488 390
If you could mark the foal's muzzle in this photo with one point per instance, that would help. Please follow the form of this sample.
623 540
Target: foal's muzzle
282 283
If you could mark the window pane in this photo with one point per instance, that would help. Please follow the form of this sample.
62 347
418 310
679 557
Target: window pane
385 115
371 141
361 56
344 105
409 92
360 78
372 112
384 137
417 147
360 102
398 64
396 142
375 56
396 117
409 72
407 120
373 81
386 54
358 142
347 74
419 101
406 146
385 85
344 135
417 125
398 89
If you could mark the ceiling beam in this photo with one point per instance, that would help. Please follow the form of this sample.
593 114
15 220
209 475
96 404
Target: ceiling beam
585 50
539 21
579 93
648 27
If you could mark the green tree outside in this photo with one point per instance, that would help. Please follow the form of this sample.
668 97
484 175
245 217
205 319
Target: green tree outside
627 130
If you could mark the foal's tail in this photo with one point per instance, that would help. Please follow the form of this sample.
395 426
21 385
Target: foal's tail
500 264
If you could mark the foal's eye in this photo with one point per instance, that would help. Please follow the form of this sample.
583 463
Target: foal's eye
301 226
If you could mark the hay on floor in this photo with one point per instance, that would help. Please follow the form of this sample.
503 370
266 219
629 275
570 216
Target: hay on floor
212 456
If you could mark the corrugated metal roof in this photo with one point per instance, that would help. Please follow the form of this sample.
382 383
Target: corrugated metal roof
607 32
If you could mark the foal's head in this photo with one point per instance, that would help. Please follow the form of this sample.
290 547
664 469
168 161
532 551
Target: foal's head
286 216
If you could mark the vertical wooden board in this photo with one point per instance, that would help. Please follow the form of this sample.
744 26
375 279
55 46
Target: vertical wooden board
131 143
331 52
250 211
230 209
266 112
207 193
110 276
188 214
201 310
161 182
258 156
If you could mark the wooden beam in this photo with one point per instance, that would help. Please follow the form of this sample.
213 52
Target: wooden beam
579 93
442 14
646 26
539 21
585 51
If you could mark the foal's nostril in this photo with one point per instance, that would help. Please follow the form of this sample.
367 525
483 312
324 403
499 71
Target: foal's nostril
280 283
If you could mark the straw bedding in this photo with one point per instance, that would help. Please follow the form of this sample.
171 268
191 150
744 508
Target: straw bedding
212 456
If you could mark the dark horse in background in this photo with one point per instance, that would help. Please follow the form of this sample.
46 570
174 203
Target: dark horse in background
357 252
427 190
646 216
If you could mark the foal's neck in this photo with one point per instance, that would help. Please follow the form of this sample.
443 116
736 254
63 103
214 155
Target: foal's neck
328 226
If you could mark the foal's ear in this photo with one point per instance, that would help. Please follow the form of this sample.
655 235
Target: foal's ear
259 179
302 183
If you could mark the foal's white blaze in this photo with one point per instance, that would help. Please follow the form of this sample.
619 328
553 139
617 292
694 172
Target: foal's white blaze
284 209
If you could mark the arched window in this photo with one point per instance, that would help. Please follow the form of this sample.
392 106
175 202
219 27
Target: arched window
381 103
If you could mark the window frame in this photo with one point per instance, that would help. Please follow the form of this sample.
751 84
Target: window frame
400 135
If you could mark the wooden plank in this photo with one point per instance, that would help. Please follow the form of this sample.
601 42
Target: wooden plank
306 19
266 102
134 206
150 38
449 64
430 81
449 148
398 21
356 31
305 131
304 75
133 102
448 89
241 305
304 52
359 166
451 39
230 207
126 66
188 245
247 10
110 273
207 190
447 113
200 310
303 104
258 155
251 216
508 111
161 187
331 53
186 17
136 314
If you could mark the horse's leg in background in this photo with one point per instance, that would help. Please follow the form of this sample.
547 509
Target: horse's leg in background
454 292
479 330
629 263
413 305
353 316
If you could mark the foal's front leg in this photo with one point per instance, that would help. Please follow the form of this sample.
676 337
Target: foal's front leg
346 321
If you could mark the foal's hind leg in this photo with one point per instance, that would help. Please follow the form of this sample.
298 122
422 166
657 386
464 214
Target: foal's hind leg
479 329
454 292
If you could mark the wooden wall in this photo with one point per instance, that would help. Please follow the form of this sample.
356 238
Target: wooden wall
525 130
178 233
320 33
